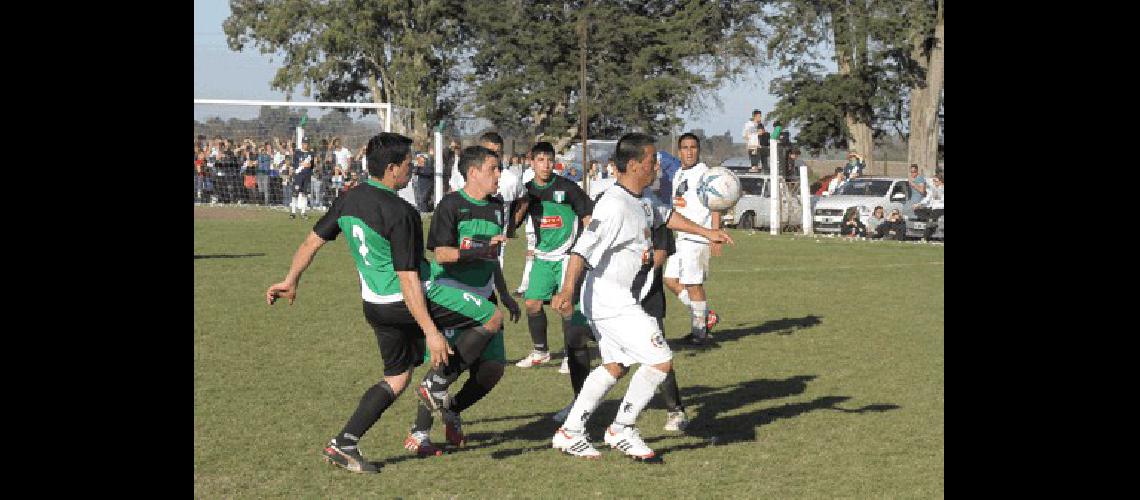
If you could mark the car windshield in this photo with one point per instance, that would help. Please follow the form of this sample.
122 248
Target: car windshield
752 185
866 187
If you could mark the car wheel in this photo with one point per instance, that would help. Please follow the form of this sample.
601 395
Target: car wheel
746 221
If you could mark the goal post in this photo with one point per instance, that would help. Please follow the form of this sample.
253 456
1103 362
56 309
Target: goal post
241 173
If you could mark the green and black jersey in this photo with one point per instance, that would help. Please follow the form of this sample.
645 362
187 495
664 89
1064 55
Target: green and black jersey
385 236
555 214
462 222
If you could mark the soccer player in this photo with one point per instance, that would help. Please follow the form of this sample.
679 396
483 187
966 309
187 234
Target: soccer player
686 270
465 235
302 180
405 311
557 209
616 244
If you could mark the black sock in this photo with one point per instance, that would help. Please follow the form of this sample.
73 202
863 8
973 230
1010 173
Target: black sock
670 393
424 418
537 326
375 400
577 354
472 391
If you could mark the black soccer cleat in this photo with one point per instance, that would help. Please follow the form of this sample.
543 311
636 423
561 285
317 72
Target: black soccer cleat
348 458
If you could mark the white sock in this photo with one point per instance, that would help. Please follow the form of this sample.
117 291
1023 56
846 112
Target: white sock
700 311
293 205
595 387
304 204
641 390
684 297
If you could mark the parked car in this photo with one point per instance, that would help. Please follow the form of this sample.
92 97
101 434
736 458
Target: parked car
751 211
863 193
916 227
737 164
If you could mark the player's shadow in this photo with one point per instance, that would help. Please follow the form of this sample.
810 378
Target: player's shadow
228 256
784 326
710 403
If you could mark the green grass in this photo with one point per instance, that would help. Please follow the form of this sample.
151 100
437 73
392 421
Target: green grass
826 381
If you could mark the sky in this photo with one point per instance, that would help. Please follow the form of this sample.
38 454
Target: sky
220 73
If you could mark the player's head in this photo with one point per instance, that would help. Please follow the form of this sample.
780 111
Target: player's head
635 159
480 169
794 153
390 157
492 141
756 115
542 161
689 149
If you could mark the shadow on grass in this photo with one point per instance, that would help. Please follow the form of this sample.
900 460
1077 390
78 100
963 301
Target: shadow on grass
228 256
784 326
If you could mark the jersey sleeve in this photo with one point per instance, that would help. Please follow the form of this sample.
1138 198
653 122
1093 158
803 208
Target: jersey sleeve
327 227
600 235
663 240
579 200
444 230
406 235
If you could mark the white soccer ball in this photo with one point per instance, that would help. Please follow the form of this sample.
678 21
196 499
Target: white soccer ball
719 189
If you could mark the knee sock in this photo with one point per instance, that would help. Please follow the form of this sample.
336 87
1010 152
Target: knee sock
641 389
478 385
304 200
593 390
699 309
424 419
537 326
375 400
293 205
670 393
577 355
684 297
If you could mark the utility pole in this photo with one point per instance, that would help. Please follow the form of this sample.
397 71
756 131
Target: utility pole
583 115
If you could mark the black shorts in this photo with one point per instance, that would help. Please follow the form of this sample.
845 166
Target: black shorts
302 185
398 334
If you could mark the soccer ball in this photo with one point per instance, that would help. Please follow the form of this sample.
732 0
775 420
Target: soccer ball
719 189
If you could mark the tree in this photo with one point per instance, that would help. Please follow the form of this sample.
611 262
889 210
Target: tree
343 50
926 97
646 60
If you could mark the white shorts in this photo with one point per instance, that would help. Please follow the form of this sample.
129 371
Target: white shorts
690 264
631 337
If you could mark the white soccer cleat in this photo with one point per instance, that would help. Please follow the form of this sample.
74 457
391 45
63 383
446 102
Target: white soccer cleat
676 421
628 441
535 358
565 368
563 413
574 443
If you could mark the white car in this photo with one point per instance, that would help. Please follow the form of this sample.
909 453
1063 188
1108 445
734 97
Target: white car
863 193
751 211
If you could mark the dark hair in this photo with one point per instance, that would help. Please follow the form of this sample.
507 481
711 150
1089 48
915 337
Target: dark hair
756 112
878 207
794 151
542 147
838 169
473 156
631 147
688 135
386 148
492 137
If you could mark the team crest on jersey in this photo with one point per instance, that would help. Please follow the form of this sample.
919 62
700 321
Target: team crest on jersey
559 196
551 222
657 340
449 333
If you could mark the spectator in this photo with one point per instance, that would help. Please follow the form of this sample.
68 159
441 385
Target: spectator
199 176
264 165
917 184
574 174
851 225
249 173
792 170
854 166
752 139
337 181
343 156
454 180
875 219
931 207
894 228
276 196
318 179
836 181
425 183
765 140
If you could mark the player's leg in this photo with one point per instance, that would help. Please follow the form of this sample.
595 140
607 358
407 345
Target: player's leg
693 272
575 335
642 340
400 353
303 198
671 396
671 278
530 242
545 278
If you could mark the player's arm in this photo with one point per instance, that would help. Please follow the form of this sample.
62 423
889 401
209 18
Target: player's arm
301 260
522 204
715 248
599 236
406 260
678 222
505 295
563 301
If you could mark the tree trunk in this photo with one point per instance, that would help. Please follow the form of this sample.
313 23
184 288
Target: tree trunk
849 38
859 135
925 99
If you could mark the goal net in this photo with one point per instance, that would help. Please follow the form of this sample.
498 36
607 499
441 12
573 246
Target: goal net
249 152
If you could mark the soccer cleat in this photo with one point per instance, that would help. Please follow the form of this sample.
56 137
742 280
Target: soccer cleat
574 443
711 320
565 368
420 443
348 458
563 413
533 359
676 421
628 441
453 428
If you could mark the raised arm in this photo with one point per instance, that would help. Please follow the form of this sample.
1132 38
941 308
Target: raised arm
301 259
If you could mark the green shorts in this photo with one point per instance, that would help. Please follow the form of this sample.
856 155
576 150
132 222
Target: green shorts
545 279
464 303
468 304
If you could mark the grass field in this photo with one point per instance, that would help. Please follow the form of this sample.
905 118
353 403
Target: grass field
826 380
